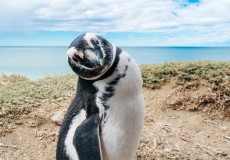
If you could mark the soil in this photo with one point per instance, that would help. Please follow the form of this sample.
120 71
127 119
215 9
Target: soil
169 132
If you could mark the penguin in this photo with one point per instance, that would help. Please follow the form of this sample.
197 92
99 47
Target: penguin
105 118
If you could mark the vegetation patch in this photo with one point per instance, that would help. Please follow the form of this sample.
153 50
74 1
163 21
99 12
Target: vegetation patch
189 76
155 76
18 95
22 95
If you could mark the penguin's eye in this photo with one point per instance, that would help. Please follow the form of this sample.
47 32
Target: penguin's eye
97 42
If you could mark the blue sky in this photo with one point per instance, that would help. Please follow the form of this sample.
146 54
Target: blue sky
131 23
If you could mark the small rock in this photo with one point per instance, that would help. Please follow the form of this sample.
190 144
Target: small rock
223 154
58 117
18 123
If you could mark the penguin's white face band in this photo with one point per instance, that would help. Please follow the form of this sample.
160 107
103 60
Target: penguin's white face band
90 56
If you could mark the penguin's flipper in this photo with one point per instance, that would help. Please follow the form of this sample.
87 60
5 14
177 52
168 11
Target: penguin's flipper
87 139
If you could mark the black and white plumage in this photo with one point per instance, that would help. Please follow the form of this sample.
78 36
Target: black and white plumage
105 118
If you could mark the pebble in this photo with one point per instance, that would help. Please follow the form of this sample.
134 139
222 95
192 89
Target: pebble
223 154
58 117
18 123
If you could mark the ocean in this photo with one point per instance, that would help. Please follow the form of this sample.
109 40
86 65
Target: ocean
37 62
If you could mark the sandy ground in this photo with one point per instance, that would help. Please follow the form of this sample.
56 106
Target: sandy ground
168 134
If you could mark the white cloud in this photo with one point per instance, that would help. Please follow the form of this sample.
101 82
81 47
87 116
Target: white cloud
209 18
17 16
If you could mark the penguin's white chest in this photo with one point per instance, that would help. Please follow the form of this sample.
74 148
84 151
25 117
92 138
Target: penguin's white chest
122 130
122 125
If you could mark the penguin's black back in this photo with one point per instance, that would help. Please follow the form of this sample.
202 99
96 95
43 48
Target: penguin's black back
85 98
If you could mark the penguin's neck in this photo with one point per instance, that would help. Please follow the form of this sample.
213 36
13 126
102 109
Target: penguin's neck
84 85
114 65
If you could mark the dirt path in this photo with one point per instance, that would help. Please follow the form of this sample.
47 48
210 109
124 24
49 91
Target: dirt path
167 134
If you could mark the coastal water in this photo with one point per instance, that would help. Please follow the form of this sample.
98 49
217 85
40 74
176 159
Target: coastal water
36 62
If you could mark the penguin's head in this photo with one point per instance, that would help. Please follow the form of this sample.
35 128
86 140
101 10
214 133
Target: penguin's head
90 56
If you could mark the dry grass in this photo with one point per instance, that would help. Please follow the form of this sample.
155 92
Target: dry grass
216 103
186 73
20 94
190 75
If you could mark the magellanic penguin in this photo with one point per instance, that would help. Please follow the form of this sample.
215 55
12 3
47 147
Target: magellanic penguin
105 119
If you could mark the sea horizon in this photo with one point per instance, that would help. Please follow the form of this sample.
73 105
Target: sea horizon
36 62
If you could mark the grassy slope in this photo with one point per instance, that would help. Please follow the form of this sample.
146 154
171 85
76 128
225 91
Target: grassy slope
23 94
154 76
20 96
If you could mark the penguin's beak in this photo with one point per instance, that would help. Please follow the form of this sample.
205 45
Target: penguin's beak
74 55
80 54
86 58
